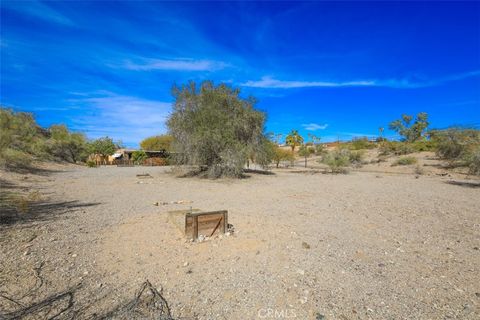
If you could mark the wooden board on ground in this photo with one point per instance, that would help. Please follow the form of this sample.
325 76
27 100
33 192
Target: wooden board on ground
177 218
205 223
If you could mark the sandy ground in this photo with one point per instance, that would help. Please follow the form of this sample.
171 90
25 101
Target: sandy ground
367 245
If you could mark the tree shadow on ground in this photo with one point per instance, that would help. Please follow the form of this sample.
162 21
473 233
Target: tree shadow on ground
258 171
18 207
466 184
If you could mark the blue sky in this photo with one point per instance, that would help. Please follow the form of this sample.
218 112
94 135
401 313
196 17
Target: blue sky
334 69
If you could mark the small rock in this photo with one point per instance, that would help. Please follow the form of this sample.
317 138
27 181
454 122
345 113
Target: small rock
300 271
227 234
319 316
185 264
74 255
305 245
475 248
85 273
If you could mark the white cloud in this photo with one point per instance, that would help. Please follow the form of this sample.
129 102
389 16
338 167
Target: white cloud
38 10
271 83
175 65
268 82
125 118
314 126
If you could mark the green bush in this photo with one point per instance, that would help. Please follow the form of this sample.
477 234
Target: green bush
405 161
139 157
396 148
361 144
280 154
455 143
356 157
91 164
337 160
15 159
473 161
423 145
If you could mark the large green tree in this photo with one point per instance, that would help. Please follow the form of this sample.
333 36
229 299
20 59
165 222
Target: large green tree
410 132
103 146
216 129
157 143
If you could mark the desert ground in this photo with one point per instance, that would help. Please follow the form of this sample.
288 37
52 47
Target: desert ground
380 242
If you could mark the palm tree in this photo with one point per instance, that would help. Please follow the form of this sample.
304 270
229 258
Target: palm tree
294 139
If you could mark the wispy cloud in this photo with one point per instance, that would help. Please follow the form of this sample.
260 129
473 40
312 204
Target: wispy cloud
126 118
271 83
175 65
314 126
268 82
38 10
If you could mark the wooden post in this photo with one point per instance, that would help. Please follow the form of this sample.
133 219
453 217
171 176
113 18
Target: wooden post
195 227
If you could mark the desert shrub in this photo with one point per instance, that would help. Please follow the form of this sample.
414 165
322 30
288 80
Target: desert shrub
215 129
405 161
455 143
356 157
91 164
15 159
419 170
361 143
410 132
139 157
306 151
21 139
157 143
65 145
396 148
337 160
473 161
423 145
319 149
156 162
280 155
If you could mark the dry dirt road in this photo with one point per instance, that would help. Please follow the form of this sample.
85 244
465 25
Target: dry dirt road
306 245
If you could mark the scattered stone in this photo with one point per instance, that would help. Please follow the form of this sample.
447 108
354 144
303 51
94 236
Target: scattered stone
319 316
